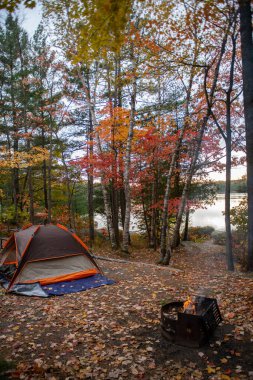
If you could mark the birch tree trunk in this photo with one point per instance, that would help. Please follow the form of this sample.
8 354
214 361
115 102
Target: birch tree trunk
127 166
91 185
114 193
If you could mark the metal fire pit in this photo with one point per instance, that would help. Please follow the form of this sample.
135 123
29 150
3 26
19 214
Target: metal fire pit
191 330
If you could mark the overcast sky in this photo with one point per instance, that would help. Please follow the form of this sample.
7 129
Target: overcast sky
30 18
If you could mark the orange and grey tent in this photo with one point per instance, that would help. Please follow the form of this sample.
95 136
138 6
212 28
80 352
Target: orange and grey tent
47 254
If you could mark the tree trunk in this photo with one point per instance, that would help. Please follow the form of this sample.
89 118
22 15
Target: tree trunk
44 173
31 196
229 254
127 166
228 141
69 193
122 200
115 211
16 193
114 193
152 239
49 174
247 74
91 184
186 225
146 219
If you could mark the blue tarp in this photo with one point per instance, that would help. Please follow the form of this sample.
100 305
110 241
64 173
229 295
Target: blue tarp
75 286
59 288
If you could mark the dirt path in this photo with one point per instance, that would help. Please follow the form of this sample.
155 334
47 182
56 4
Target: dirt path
113 332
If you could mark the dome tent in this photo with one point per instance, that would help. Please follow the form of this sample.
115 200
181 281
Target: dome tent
46 254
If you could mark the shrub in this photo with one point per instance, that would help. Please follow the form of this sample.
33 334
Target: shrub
239 241
198 234
239 219
138 240
239 215
219 237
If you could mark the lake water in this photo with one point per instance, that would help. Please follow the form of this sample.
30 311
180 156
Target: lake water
212 215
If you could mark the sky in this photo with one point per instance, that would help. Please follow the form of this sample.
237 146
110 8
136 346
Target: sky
30 20
236 173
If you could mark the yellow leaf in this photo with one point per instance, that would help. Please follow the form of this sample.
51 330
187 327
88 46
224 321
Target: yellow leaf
224 360
211 370
225 377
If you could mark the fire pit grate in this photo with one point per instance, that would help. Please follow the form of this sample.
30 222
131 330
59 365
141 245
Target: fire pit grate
190 329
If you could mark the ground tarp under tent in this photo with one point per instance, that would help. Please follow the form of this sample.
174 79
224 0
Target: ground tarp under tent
48 259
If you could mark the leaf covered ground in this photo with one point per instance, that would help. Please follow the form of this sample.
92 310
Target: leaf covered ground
113 332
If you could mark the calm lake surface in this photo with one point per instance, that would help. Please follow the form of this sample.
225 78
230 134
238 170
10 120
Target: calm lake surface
212 215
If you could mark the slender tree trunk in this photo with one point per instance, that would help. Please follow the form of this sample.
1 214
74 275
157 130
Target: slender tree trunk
30 187
69 193
228 141
146 219
114 193
229 254
31 195
115 212
91 185
16 187
108 212
247 70
122 200
189 175
44 173
49 175
127 166
152 239
186 225
16 192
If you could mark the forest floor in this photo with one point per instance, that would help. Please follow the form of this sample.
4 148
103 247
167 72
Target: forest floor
113 332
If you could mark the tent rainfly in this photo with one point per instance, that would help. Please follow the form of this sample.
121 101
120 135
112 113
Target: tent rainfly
46 254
